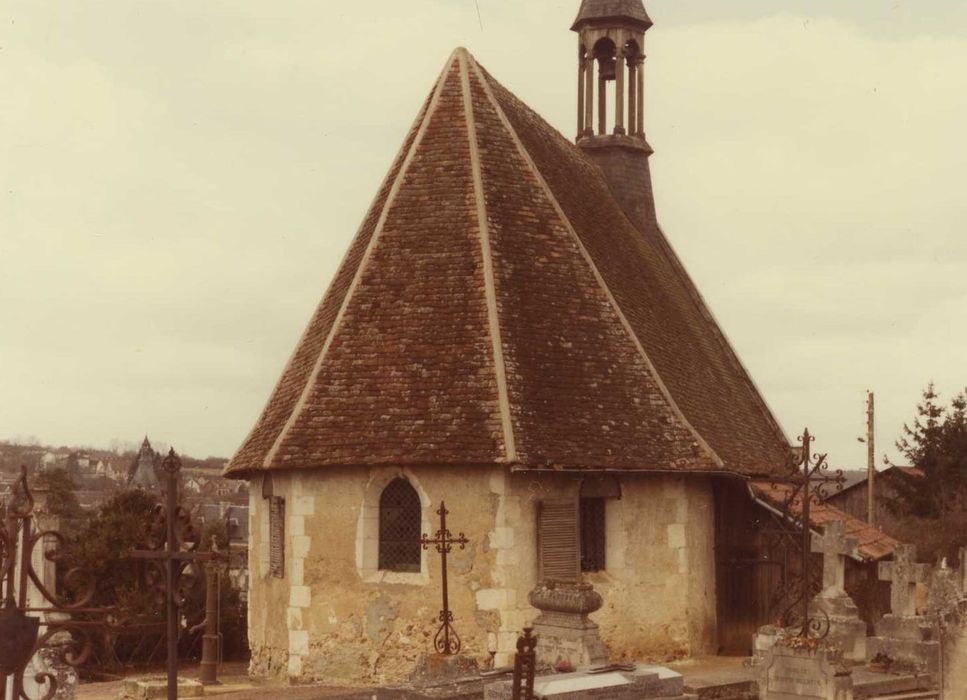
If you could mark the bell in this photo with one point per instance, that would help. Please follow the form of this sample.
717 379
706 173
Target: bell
18 636
606 68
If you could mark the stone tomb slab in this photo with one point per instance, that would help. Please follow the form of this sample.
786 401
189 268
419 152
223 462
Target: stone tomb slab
787 674
644 682
156 688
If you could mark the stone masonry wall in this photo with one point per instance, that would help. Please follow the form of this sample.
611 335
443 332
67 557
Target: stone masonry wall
336 617
659 579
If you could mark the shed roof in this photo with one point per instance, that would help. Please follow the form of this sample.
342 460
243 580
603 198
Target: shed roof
498 307
872 544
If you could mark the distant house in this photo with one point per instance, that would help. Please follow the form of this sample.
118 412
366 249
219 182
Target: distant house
219 488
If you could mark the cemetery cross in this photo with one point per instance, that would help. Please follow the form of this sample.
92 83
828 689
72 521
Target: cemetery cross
905 574
446 641
179 541
525 664
808 479
835 547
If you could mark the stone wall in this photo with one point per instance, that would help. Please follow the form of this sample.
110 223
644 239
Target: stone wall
659 580
336 617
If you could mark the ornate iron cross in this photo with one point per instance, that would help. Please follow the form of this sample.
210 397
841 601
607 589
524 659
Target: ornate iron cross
808 481
525 664
446 641
172 544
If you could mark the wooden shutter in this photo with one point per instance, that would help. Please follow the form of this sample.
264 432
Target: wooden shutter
558 541
277 537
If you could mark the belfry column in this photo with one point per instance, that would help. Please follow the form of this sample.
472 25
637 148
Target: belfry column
602 101
640 117
581 69
632 96
589 95
619 92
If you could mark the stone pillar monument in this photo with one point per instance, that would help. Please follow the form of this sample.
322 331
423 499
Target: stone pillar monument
846 629
563 629
911 640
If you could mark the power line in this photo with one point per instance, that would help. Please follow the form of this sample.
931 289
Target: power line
479 18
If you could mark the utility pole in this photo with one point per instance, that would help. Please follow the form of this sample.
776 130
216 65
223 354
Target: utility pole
870 463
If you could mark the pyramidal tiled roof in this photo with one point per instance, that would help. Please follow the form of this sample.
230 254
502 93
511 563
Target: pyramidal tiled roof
497 307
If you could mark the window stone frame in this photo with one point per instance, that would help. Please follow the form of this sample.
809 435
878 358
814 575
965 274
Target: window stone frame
367 529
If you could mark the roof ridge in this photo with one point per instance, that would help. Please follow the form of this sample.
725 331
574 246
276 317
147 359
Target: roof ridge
391 195
483 233
539 178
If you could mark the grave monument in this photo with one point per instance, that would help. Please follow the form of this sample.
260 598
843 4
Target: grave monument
611 682
909 639
846 629
798 674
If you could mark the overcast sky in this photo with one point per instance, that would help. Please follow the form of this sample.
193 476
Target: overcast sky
180 180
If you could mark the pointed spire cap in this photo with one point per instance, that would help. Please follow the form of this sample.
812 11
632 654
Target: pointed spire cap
596 11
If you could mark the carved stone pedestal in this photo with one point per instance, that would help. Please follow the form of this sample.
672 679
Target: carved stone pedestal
912 643
563 629
436 668
846 629
788 674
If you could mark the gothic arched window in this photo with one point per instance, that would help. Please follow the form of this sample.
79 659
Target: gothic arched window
399 527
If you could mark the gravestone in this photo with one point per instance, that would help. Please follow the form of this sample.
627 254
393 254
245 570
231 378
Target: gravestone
50 659
945 590
791 674
910 640
601 683
846 629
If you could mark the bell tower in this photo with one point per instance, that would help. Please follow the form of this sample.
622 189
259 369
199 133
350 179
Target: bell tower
610 100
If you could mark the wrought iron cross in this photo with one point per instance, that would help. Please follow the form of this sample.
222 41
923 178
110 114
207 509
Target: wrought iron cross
172 543
446 641
808 480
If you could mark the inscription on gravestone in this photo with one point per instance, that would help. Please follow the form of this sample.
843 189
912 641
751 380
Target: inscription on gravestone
789 674
799 677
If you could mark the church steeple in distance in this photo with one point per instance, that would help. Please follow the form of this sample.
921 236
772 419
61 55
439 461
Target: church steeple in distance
611 123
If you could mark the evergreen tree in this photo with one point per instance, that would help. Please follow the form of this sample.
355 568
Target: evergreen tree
100 548
61 497
936 444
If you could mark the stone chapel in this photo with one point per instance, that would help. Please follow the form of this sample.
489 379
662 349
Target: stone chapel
510 332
